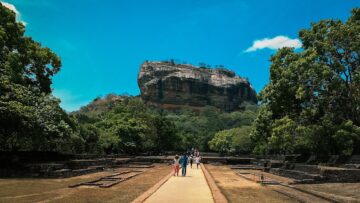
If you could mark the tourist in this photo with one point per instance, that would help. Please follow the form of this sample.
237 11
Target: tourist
197 153
191 159
184 162
176 165
197 160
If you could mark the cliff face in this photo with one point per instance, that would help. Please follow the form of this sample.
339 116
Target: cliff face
173 86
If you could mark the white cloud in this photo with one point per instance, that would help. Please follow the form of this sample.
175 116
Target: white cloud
274 43
13 8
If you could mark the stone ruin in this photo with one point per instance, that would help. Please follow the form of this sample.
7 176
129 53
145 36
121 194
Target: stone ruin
110 180
53 165
314 170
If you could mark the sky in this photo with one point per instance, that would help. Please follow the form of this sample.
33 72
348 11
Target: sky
103 42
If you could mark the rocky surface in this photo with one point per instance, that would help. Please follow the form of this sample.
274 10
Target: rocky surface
169 85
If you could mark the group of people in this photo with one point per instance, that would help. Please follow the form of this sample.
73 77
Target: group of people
184 160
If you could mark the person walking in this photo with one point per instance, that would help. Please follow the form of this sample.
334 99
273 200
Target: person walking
176 165
197 160
191 159
197 153
184 162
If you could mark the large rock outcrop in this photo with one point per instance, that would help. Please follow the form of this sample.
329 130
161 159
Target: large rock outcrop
169 85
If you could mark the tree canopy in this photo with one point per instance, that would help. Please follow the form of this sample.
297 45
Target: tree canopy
130 126
312 101
31 118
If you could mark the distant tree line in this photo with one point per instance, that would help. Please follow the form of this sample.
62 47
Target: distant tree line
130 126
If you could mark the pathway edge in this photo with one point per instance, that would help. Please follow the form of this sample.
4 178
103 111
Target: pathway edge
153 189
216 192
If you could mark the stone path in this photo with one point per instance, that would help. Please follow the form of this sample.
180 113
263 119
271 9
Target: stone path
192 188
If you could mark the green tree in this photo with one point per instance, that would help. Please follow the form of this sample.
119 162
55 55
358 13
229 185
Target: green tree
282 138
236 140
316 89
91 137
222 141
166 137
242 143
30 117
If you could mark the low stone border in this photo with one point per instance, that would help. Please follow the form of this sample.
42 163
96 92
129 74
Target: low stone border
289 186
153 189
312 193
112 179
216 193
289 195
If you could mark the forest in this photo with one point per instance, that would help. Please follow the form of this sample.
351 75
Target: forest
311 104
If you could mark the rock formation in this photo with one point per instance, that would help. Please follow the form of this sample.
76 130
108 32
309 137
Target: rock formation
170 85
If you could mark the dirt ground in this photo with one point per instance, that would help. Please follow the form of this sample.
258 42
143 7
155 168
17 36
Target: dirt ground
57 190
342 192
268 175
237 189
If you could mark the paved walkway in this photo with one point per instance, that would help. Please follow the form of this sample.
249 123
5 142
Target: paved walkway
192 188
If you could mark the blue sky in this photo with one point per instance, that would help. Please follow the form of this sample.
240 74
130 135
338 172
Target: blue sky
103 42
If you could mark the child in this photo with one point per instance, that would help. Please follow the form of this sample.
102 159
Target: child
197 160
176 165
